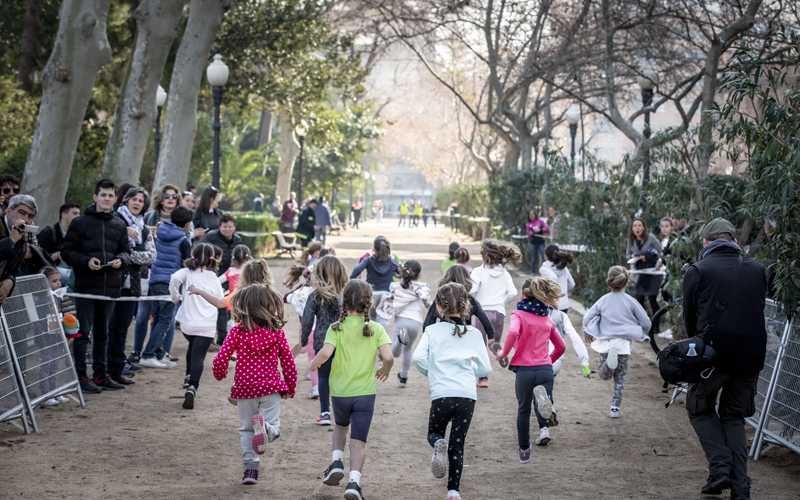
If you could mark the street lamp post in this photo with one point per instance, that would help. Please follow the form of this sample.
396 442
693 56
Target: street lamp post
301 130
161 98
647 81
217 76
573 115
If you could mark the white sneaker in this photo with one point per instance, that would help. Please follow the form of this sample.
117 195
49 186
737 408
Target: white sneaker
151 363
666 334
544 436
403 336
50 402
543 403
614 413
612 362
439 460
62 399
308 375
313 393
167 363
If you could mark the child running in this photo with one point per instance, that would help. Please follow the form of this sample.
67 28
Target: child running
355 339
462 257
405 303
310 253
201 297
259 340
239 257
555 268
381 268
493 287
451 354
451 256
610 325
322 309
530 333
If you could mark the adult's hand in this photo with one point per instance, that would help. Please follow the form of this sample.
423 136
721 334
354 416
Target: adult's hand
199 233
116 263
94 264
14 233
5 289
658 265
133 233
55 256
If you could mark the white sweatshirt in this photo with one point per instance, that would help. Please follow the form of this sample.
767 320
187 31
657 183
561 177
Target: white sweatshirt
195 312
493 288
565 327
560 276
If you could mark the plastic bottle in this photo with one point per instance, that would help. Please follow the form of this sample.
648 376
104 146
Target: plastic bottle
691 352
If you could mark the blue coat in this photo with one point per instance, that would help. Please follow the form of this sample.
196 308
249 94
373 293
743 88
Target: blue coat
172 248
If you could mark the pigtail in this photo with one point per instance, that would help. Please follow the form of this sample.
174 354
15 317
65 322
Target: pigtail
367 329
342 316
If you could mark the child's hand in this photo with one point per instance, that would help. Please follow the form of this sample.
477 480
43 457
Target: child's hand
382 375
297 349
284 395
192 290
589 339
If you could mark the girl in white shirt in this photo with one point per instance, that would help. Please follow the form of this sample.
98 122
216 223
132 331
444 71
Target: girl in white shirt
555 268
199 290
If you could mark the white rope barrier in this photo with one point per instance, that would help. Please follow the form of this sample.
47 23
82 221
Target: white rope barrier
165 298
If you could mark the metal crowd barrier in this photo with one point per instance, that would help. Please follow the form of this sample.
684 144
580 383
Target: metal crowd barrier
37 343
776 325
12 404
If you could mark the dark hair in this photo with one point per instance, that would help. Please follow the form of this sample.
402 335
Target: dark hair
190 187
66 207
451 249
227 218
258 305
49 271
559 259
383 249
645 233
462 256
8 178
104 184
209 194
357 297
240 255
409 272
133 192
457 274
496 252
181 216
454 301
202 257
535 215
218 252
121 194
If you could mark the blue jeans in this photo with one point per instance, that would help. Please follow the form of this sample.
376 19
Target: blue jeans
322 235
167 345
162 311
143 313
537 256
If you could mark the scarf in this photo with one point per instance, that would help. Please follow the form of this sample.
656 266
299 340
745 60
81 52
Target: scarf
136 222
533 307
716 244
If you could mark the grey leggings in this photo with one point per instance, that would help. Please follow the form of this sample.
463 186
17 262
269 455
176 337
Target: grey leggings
618 374
413 328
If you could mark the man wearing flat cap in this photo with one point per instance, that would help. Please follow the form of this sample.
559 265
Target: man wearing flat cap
739 337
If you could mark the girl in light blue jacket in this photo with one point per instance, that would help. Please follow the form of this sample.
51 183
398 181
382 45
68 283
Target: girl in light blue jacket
451 354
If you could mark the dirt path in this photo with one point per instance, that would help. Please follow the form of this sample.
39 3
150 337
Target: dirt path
140 443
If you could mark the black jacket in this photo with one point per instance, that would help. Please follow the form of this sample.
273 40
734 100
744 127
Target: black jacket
50 239
100 235
12 256
306 223
739 336
227 245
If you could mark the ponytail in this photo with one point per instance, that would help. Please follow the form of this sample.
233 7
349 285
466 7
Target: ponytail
559 259
409 272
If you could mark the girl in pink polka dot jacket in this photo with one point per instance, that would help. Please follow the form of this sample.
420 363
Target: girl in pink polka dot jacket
259 343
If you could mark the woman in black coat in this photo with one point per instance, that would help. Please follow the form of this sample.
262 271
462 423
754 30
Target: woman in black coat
646 250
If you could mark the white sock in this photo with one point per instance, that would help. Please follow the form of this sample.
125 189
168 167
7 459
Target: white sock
338 455
453 493
355 477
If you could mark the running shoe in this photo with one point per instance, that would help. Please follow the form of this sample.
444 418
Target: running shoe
543 403
453 496
186 383
324 418
261 435
152 363
553 421
188 398
401 381
167 363
497 349
313 393
62 399
614 412
334 473
107 384
250 476
439 460
50 402
88 386
544 437
403 336
353 491
611 361
524 455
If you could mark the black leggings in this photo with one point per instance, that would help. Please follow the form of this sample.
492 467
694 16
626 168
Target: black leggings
459 412
196 356
651 299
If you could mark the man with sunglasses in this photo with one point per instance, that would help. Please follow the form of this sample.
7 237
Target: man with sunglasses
9 187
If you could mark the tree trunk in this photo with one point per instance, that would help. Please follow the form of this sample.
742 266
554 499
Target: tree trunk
80 49
265 129
289 150
134 116
526 149
28 46
180 123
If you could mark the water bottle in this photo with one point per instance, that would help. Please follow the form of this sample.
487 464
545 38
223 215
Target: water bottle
691 352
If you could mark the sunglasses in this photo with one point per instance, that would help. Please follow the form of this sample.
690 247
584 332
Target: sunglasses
172 196
7 190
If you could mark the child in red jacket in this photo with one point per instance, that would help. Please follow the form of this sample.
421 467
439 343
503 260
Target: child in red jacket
259 342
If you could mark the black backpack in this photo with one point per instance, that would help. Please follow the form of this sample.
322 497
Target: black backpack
674 364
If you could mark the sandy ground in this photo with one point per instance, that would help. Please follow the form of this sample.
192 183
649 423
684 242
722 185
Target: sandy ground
140 443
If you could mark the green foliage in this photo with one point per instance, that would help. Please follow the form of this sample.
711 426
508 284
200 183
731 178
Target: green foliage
472 197
513 193
17 118
259 245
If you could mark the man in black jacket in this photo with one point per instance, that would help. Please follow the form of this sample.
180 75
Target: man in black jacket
225 238
306 225
740 339
97 247
51 238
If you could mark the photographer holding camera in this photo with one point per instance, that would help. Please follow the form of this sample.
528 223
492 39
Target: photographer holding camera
15 249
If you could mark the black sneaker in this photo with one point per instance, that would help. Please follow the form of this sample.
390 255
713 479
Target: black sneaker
128 373
401 381
89 387
716 484
107 384
740 495
134 358
334 473
186 383
188 398
353 491
130 366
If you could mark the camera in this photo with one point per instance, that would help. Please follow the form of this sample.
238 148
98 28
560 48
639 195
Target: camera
24 228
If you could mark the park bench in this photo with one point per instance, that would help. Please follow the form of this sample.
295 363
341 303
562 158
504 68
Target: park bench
335 224
283 246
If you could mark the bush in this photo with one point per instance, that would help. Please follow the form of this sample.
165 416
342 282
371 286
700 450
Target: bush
472 197
259 245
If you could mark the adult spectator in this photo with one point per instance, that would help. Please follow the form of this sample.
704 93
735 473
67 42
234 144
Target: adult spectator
739 338
644 250
356 210
14 247
165 201
188 200
288 212
275 208
51 238
306 227
121 191
426 212
536 229
192 189
97 248
23 207
323 220
143 253
9 187
553 219
436 214
258 204
403 213
226 239
206 214
455 217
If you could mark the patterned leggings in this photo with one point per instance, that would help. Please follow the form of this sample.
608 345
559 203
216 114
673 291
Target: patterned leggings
617 374
459 412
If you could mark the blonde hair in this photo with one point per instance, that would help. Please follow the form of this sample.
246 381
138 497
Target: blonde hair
453 299
309 251
496 252
329 278
356 297
617 278
256 272
544 290
258 306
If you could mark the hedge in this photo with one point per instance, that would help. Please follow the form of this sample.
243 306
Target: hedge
249 222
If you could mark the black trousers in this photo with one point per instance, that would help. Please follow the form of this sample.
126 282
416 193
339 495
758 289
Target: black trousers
93 316
222 325
525 382
458 411
651 299
118 324
196 356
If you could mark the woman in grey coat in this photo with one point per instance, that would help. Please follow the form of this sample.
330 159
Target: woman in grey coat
646 249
